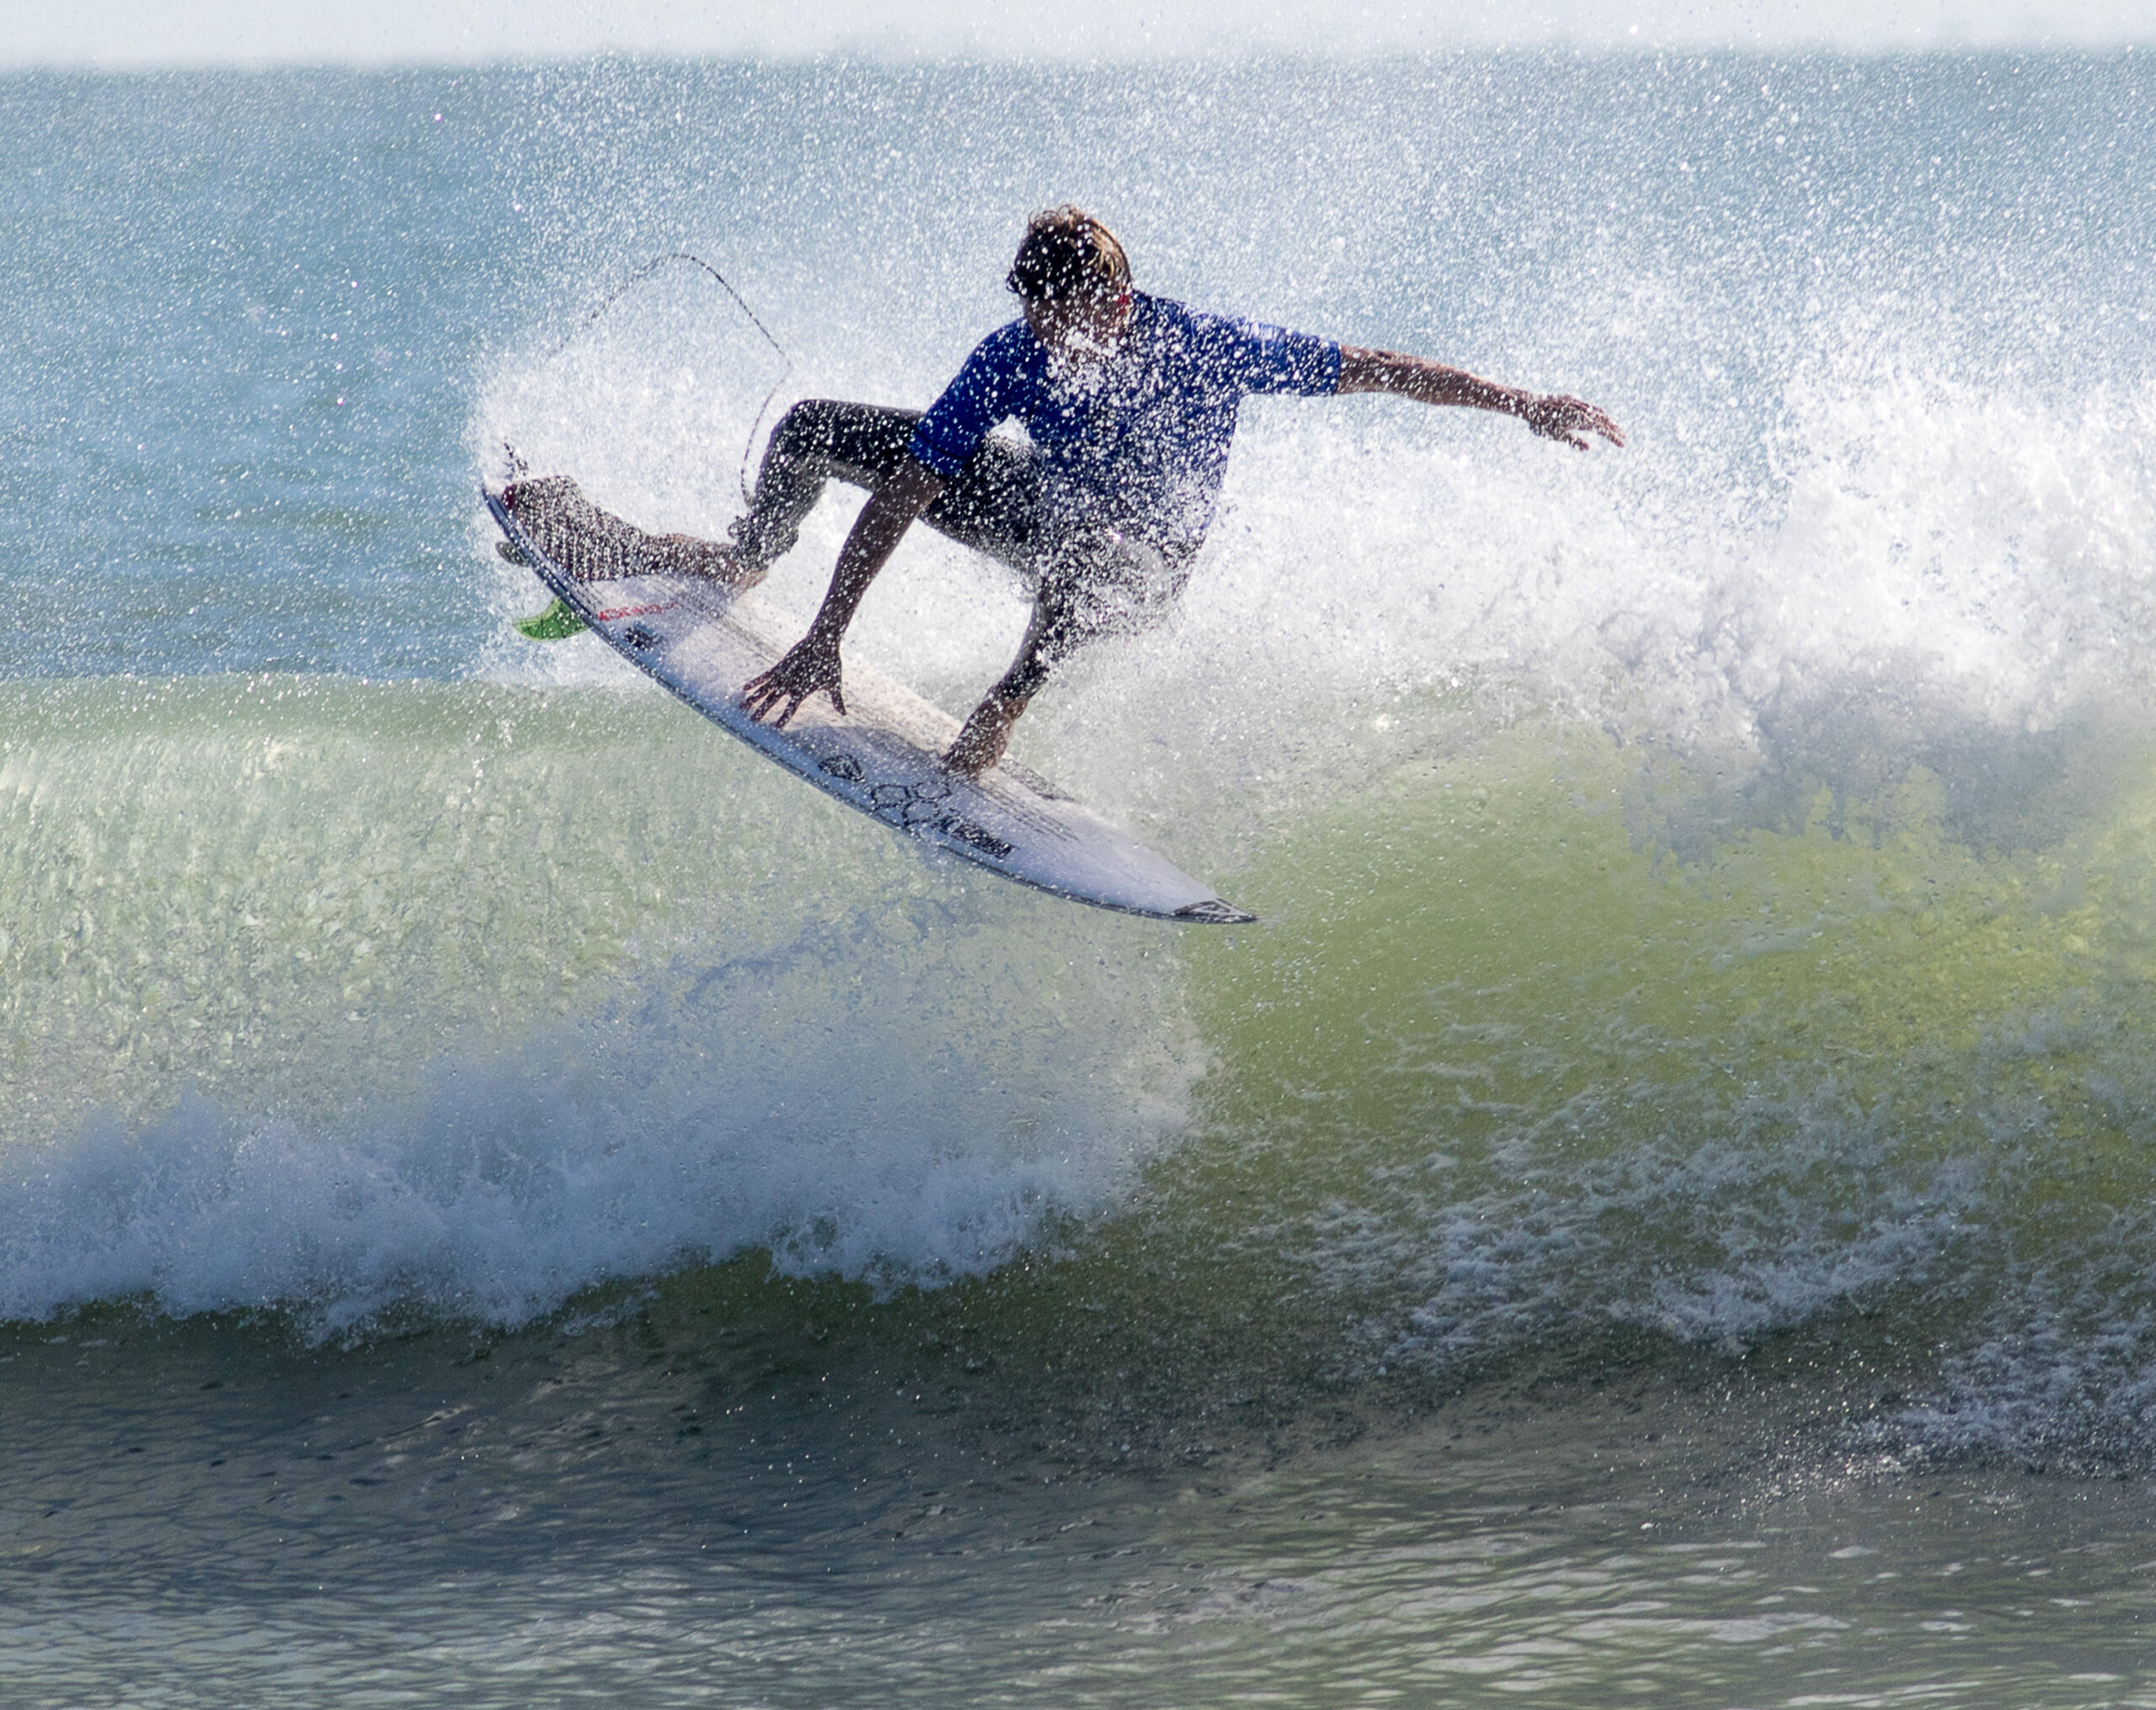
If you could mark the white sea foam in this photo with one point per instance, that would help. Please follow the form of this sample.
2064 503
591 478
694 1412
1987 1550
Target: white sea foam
853 1135
1727 1228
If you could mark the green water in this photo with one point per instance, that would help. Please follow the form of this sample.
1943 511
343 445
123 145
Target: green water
1552 1247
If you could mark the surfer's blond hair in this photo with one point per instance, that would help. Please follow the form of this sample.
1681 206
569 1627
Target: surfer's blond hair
1067 253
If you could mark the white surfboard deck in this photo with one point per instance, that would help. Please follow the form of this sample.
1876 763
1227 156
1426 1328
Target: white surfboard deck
883 756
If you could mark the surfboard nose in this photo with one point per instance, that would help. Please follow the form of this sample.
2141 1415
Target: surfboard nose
1214 911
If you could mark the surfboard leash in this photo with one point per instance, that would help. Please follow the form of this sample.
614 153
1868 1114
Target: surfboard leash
636 279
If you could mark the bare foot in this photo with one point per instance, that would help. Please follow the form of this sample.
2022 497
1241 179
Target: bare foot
983 738
685 555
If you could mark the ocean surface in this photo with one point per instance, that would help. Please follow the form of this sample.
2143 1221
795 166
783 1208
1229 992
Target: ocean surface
506 1199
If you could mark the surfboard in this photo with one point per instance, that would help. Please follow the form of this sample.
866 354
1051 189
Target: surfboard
882 756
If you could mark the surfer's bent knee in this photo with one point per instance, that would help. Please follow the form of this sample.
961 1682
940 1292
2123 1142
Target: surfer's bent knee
815 426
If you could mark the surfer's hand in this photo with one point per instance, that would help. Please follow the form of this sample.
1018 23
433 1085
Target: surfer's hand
812 664
1572 420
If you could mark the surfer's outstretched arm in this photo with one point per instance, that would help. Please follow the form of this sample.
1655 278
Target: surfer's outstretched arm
812 662
1551 415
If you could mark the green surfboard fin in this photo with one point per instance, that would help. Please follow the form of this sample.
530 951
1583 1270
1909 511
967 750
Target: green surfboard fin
557 622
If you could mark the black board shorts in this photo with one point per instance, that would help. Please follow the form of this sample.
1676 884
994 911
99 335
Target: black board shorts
1086 581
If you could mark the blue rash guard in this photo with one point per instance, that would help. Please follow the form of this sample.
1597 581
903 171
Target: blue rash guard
1139 441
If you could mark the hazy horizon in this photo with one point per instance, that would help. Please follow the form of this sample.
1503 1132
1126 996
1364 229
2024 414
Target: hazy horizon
133 35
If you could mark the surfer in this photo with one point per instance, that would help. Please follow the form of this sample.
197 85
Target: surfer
1129 402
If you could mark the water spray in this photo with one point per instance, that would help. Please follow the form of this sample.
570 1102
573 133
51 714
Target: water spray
597 311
